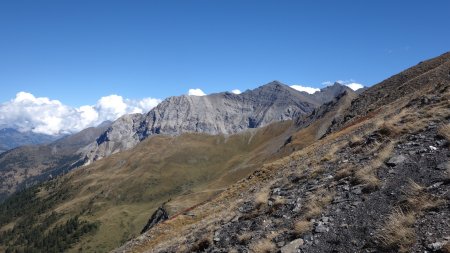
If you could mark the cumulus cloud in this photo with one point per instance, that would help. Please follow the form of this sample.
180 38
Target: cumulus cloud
349 83
236 91
355 86
42 115
196 92
309 90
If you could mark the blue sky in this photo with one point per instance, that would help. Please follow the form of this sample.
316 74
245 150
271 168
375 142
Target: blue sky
79 51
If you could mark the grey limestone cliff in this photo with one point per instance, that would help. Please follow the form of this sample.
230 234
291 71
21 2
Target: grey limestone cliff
220 113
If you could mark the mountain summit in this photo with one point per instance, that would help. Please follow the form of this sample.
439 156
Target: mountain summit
220 113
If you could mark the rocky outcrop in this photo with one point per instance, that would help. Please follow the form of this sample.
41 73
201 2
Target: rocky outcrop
329 93
221 113
158 216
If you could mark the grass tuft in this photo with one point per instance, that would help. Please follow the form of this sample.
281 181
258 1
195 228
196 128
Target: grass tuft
262 246
301 227
398 231
444 131
316 203
262 197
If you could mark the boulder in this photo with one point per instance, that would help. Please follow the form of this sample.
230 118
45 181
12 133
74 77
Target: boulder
293 246
158 216
396 160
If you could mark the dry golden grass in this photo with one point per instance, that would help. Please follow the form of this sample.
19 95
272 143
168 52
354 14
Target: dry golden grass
316 171
315 203
367 175
245 237
345 171
398 231
356 141
279 201
301 227
262 197
414 187
444 131
419 200
446 248
262 246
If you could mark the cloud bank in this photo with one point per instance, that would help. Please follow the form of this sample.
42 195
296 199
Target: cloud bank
42 115
236 91
196 92
309 90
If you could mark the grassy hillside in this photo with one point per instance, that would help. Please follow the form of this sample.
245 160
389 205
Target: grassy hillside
119 193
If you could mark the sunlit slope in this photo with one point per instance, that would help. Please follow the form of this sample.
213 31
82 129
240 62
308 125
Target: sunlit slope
122 191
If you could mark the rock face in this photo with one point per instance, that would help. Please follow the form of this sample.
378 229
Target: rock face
158 216
328 93
221 113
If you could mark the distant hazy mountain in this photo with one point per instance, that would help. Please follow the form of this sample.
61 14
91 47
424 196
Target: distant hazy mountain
11 138
221 113
30 164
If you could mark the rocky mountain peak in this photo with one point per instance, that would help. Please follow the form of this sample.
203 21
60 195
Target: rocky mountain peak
219 113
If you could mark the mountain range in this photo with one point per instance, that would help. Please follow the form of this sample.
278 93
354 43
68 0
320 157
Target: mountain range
31 164
269 170
11 138
221 113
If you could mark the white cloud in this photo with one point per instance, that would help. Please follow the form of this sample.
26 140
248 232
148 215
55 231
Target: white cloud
354 86
196 92
236 91
42 115
309 90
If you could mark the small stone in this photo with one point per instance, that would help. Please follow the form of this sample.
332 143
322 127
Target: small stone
293 246
344 225
443 166
308 237
356 203
357 190
321 228
435 185
396 160
346 188
433 148
435 246
281 244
